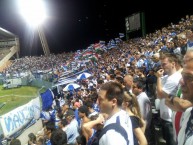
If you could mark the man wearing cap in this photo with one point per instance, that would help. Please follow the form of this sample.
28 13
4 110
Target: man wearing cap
72 128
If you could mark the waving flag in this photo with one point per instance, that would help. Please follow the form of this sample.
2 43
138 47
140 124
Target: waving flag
90 48
112 44
104 47
121 35
87 54
47 99
97 47
117 40
71 87
102 42
65 68
94 57
83 76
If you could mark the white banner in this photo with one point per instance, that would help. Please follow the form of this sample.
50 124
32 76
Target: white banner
14 120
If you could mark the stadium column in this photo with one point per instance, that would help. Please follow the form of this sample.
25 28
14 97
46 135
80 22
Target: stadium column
43 41
143 24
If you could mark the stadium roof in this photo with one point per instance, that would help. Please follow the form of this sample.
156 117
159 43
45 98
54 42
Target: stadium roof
4 34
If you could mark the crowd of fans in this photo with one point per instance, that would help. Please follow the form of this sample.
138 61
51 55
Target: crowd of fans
114 106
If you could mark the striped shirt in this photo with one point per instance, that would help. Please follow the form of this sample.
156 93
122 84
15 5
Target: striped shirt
72 131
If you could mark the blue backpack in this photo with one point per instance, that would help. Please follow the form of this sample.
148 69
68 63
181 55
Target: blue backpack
94 140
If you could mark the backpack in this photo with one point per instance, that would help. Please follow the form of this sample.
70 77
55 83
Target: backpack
94 140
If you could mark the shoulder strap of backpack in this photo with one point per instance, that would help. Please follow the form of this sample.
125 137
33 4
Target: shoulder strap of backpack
117 127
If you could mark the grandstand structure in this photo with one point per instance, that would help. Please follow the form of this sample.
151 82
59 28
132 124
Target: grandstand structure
9 48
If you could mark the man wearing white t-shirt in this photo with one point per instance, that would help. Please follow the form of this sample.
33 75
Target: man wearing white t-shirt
144 102
167 85
178 104
72 127
144 105
110 99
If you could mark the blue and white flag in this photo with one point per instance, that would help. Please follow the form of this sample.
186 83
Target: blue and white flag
121 35
118 40
102 42
47 99
113 43
104 47
65 68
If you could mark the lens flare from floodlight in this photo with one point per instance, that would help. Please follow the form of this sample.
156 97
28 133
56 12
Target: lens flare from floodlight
33 11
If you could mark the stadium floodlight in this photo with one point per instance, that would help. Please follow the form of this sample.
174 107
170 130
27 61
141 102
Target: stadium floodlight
33 11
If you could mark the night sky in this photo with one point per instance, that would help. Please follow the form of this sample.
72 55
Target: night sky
74 24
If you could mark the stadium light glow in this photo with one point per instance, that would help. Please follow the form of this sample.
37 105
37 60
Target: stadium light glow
33 11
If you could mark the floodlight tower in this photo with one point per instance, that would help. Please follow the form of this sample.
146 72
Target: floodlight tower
43 41
34 13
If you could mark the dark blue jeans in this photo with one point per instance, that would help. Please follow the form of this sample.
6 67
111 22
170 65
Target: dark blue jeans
167 131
